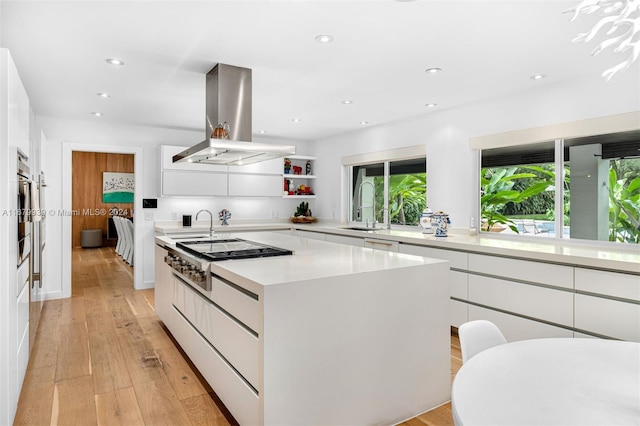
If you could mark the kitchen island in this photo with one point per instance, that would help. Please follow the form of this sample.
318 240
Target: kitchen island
333 334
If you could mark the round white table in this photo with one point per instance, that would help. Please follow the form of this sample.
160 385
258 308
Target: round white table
550 382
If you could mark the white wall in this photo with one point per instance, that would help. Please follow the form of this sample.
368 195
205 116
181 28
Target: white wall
99 134
452 169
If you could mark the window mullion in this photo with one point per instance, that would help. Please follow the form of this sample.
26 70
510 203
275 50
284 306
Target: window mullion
385 212
559 193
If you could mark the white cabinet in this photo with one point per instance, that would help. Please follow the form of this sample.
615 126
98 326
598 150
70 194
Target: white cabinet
262 179
303 178
163 286
532 301
608 303
193 183
528 271
254 185
385 245
343 239
517 328
310 234
457 279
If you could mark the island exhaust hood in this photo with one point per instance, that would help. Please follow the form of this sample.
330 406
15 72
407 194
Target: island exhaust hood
228 100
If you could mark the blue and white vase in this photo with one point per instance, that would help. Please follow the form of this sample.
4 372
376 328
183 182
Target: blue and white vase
440 221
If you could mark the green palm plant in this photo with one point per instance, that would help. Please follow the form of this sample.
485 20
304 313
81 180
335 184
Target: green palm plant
624 209
407 198
497 190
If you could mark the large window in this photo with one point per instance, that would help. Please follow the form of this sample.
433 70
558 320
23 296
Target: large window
584 188
385 192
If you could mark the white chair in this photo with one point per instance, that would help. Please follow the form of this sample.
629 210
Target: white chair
126 244
120 243
128 225
476 336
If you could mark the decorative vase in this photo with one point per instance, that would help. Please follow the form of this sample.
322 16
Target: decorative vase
441 221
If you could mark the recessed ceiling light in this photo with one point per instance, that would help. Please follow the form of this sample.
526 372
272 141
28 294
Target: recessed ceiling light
431 105
538 76
262 131
296 120
363 122
433 70
97 114
324 38
113 61
347 102
103 95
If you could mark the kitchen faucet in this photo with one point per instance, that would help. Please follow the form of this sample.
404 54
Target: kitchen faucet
211 216
373 206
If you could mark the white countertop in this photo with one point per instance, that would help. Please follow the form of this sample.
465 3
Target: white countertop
311 260
599 256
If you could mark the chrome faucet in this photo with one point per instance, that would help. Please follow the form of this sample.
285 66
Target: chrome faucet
211 216
373 206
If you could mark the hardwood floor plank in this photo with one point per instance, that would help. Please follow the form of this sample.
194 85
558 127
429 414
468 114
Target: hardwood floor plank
441 416
137 302
143 363
45 346
109 369
34 406
74 358
74 402
159 404
149 295
155 333
184 381
94 300
73 310
202 411
119 407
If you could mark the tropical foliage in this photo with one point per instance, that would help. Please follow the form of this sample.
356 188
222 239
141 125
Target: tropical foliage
407 198
624 209
497 190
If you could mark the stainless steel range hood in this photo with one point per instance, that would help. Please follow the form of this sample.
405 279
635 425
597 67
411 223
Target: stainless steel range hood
228 100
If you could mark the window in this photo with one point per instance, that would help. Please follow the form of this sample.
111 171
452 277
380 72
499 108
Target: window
595 197
391 191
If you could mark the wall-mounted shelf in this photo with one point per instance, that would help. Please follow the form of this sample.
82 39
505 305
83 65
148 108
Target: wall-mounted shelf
307 180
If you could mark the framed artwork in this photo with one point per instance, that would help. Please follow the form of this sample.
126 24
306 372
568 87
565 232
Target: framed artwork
117 187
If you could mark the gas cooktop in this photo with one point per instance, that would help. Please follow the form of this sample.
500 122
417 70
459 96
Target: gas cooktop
233 248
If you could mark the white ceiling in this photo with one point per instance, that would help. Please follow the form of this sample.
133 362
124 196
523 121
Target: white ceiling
378 59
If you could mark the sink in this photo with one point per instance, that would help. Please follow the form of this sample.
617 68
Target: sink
361 228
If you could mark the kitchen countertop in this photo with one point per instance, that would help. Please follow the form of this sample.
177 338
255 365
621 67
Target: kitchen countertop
598 256
311 260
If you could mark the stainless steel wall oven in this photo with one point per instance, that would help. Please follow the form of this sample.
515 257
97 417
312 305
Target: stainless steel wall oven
23 211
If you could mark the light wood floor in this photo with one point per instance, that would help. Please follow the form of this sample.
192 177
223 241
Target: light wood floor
102 357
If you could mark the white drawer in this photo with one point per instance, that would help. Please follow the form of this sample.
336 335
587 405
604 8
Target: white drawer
458 284
178 292
517 328
240 303
524 299
237 345
237 396
23 312
612 318
309 234
457 259
459 313
385 245
613 284
341 239
538 272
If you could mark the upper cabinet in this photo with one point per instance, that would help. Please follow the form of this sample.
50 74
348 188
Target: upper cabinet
299 178
262 179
